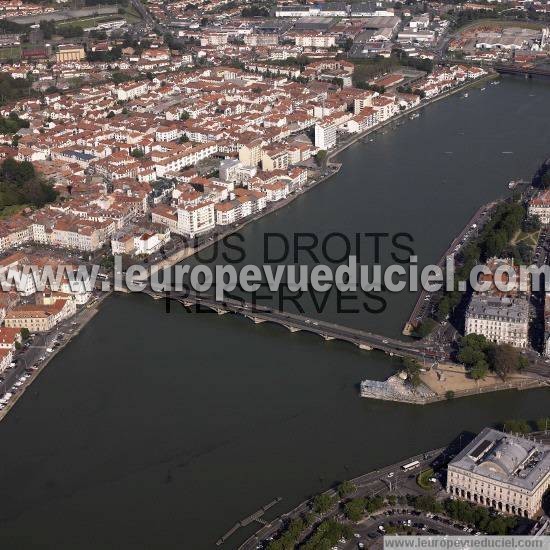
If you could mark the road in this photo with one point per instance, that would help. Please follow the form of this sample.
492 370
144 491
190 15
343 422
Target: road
33 357
329 331
388 478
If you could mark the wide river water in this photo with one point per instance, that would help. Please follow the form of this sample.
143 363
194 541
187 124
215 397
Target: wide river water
155 430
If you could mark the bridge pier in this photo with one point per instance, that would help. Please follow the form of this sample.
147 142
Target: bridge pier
292 329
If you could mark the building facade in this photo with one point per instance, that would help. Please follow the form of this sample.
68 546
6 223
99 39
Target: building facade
501 319
501 471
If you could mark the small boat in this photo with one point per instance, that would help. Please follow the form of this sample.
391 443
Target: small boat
507 152
414 115
465 95
482 89
512 184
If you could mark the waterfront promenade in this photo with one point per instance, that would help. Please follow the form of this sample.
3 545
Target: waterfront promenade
332 168
369 484
423 303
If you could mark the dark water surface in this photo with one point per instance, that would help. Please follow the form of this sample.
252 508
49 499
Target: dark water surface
161 431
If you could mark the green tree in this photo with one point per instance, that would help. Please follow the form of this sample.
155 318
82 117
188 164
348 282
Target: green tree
479 370
321 157
412 368
543 424
516 426
345 488
322 503
504 360
355 509
25 333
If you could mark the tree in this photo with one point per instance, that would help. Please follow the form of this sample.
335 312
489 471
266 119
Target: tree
412 368
322 503
321 157
543 424
504 360
372 504
345 488
355 509
184 115
137 153
470 356
425 328
25 333
479 370
516 426
530 224
449 394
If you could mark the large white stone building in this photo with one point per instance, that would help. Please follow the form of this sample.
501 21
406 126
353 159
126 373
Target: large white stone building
540 207
501 319
501 471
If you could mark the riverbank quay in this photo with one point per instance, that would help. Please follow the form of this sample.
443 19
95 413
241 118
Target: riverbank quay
397 390
401 480
183 254
407 112
366 485
469 232
332 168
37 354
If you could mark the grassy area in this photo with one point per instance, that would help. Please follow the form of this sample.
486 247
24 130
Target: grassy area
13 52
365 69
423 479
87 22
500 23
529 239
131 15
8 211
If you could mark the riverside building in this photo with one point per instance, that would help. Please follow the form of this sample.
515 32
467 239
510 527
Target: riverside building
501 319
505 472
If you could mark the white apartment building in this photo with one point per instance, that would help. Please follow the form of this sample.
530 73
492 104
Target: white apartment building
263 39
194 220
325 135
315 40
501 319
131 90
214 38
365 100
504 472
188 158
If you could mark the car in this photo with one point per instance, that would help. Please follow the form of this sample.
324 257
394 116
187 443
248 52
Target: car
357 535
391 474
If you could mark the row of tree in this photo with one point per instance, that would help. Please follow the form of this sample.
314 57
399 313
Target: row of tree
494 240
481 356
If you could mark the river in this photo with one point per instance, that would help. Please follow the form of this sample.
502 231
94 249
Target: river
155 430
